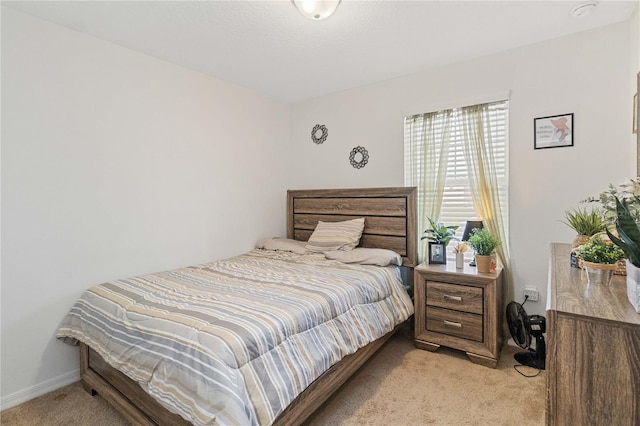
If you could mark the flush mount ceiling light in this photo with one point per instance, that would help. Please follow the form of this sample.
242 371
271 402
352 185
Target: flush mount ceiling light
316 9
583 9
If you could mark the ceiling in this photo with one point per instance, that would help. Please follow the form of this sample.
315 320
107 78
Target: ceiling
269 47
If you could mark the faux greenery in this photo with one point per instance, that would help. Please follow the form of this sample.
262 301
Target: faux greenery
585 222
628 238
440 233
597 250
483 242
626 193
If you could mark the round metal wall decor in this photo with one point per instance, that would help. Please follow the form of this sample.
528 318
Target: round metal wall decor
319 133
359 157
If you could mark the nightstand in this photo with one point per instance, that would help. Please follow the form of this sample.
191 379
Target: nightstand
460 309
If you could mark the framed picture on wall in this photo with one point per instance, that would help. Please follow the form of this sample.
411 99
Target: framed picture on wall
553 132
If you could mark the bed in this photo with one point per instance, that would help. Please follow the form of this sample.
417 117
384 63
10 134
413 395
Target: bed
221 372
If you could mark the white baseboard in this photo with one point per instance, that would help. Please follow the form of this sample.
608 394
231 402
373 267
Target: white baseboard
35 391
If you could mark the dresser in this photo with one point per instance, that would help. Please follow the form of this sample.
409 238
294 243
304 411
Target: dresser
460 309
593 348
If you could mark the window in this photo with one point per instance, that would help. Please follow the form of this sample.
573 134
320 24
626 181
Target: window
445 129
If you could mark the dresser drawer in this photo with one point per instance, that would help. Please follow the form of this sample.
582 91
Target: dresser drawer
454 323
457 297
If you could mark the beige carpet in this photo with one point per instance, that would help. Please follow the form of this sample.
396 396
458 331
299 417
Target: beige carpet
401 385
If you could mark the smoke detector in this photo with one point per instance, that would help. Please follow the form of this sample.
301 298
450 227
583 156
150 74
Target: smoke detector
583 9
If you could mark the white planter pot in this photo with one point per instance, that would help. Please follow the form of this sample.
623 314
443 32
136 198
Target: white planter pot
633 285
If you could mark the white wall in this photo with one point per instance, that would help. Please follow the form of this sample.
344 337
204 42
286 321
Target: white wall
116 164
586 73
634 24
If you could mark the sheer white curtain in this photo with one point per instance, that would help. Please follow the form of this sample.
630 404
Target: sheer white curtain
458 159
478 124
426 156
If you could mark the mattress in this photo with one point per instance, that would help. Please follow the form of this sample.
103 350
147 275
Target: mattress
235 341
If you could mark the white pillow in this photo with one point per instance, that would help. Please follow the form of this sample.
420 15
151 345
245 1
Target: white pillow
343 235
366 256
282 244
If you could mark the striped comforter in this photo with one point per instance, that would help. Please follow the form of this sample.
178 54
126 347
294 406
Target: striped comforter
233 342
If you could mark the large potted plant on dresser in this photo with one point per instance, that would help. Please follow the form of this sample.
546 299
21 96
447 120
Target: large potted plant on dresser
628 239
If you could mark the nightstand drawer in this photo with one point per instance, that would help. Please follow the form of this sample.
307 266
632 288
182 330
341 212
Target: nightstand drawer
457 297
453 323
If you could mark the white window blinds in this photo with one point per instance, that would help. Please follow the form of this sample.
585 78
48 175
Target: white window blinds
457 205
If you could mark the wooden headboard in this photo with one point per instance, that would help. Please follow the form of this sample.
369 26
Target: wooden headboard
390 216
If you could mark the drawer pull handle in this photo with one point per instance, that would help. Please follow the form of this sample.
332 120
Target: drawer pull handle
452 324
456 298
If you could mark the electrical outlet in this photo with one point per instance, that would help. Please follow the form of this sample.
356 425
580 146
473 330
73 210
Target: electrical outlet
532 293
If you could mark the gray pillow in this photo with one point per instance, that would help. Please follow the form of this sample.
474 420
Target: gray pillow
282 244
329 236
365 256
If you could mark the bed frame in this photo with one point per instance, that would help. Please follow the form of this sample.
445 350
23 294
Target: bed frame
390 222
390 216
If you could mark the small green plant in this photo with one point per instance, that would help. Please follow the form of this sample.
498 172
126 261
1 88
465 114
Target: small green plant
483 242
440 233
597 250
585 222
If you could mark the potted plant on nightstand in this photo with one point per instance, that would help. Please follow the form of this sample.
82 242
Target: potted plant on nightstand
484 243
600 259
439 236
